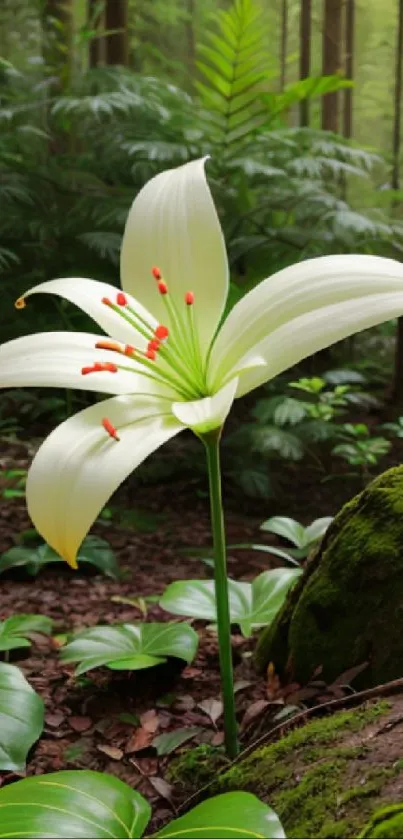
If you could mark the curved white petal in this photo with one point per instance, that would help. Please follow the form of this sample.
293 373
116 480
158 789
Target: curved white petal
314 331
55 359
79 466
294 291
173 224
88 294
204 415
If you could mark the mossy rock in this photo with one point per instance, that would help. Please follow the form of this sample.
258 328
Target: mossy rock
326 779
347 608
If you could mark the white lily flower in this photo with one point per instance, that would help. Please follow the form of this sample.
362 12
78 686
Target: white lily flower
167 360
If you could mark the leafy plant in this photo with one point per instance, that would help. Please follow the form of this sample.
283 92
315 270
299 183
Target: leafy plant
21 718
14 630
94 551
130 646
17 478
304 538
251 604
395 428
89 804
360 449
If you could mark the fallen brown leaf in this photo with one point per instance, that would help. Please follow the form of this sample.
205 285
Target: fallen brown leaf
111 751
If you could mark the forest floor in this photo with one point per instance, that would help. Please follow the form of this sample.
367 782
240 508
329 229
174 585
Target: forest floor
107 720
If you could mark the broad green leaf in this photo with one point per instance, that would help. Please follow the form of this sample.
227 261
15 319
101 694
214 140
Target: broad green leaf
317 529
251 604
130 646
289 411
233 815
94 551
287 528
267 549
14 629
84 804
166 743
21 720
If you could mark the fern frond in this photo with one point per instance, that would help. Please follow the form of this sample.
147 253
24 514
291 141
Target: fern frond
234 66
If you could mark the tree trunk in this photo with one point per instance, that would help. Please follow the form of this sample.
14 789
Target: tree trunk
57 26
349 68
117 44
331 60
94 23
305 55
283 43
395 180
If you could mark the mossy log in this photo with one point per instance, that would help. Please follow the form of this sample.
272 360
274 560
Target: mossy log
347 608
326 779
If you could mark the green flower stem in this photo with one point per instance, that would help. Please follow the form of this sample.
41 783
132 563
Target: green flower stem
211 441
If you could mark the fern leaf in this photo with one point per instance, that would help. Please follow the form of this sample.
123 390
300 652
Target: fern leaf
234 66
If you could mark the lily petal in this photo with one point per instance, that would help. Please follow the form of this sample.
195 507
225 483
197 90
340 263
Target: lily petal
204 415
294 291
314 331
79 466
88 295
55 359
173 224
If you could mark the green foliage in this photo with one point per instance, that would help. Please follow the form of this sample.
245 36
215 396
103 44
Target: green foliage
360 448
251 604
21 718
304 538
130 646
94 551
14 630
96 803
234 64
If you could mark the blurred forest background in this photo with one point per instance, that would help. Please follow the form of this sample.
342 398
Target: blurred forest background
299 104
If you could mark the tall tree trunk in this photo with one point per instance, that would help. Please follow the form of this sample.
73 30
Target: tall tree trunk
117 45
190 35
283 43
349 68
331 60
395 179
94 23
57 26
305 29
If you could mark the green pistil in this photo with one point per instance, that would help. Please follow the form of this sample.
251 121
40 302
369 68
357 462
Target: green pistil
194 340
186 348
160 376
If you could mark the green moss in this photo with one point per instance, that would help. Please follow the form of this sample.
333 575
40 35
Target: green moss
193 769
348 606
307 777
386 823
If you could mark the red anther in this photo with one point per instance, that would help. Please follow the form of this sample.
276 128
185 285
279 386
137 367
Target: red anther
106 301
108 345
99 367
121 299
154 345
156 272
129 350
189 298
110 429
151 354
161 332
162 287
20 303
